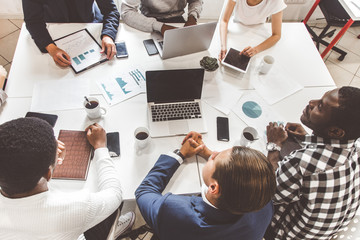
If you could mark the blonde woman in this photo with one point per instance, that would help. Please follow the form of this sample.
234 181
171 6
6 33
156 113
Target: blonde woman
251 12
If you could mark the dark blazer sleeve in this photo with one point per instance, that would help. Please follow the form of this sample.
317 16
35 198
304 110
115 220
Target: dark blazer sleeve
148 194
35 23
111 18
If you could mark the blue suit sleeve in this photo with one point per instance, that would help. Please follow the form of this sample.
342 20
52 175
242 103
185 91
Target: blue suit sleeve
148 194
35 23
111 18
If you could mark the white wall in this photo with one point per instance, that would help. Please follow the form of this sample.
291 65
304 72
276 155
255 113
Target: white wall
11 9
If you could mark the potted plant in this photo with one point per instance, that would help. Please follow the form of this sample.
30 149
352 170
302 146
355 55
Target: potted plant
210 65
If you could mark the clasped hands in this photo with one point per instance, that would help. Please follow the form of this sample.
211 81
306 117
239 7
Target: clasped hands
277 133
193 144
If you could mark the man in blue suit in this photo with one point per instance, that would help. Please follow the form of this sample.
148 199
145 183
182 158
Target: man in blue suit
235 200
37 13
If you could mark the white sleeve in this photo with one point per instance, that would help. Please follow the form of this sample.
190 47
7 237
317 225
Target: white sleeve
109 195
277 6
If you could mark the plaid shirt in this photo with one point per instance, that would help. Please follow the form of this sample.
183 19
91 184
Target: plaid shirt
318 189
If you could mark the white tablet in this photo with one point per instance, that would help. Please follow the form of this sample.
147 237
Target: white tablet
235 60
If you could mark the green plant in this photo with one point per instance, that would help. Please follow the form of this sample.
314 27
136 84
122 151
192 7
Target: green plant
209 63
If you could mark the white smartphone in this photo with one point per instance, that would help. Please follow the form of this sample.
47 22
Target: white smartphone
121 51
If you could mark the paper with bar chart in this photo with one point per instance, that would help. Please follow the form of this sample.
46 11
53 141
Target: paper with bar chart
122 86
83 50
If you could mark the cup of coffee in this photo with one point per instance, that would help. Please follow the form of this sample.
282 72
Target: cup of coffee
93 109
142 138
266 63
248 135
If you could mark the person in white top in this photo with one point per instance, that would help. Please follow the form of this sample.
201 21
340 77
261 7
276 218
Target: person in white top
29 209
251 12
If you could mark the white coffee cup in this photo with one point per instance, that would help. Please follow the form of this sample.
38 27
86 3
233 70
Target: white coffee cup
266 63
248 135
142 137
94 110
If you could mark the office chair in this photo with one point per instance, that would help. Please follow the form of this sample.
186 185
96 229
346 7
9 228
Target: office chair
335 16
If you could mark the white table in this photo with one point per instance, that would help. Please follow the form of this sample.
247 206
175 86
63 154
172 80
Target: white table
295 51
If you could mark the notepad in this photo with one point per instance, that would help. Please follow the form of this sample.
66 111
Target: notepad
77 159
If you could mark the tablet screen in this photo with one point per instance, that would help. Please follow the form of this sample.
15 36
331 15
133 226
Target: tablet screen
234 58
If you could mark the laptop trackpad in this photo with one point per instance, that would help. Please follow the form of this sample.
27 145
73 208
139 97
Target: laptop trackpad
178 127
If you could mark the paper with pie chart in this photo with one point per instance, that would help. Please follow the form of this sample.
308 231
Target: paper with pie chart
255 112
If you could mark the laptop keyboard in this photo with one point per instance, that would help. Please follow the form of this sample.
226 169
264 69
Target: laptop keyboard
176 111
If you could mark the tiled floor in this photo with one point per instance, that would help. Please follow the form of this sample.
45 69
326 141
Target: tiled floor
344 73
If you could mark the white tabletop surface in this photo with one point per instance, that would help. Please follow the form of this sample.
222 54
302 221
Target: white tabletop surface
295 51
352 7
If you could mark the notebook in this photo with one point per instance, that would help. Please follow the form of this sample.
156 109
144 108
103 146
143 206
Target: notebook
174 102
77 158
185 40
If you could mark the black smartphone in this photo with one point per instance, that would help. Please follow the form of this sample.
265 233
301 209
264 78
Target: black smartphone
150 47
222 124
50 118
113 143
121 51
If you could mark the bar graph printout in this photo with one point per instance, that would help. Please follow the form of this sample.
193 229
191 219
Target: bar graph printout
122 86
83 50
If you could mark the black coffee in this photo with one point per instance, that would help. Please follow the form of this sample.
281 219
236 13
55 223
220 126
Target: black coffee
141 135
248 136
93 105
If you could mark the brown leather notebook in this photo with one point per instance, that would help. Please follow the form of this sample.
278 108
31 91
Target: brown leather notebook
77 158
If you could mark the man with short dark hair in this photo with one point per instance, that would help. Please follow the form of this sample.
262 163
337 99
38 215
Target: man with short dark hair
236 196
38 13
318 186
29 209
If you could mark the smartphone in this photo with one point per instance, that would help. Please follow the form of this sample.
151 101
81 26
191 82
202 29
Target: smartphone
121 51
150 47
222 124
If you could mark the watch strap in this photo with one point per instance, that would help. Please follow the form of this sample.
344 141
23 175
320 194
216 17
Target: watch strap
177 152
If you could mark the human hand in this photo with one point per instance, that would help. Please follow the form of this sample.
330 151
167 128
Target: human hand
190 148
276 133
195 140
296 129
166 27
249 51
61 151
60 57
190 21
108 47
222 54
96 136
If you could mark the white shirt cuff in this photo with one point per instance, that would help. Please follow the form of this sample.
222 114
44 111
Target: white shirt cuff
177 157
101 153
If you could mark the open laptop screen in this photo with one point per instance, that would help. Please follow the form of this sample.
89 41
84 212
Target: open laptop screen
166 86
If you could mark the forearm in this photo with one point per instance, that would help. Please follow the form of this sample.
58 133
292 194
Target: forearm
274 157
195 8
108 177
223 34
133 18
111 18
35 24
158 177
268 43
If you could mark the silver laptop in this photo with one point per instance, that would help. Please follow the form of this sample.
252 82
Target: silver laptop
174 105
185 40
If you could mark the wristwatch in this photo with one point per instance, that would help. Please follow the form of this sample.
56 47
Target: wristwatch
270 147
177 152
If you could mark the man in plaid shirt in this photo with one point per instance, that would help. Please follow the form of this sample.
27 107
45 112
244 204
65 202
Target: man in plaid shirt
318 186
